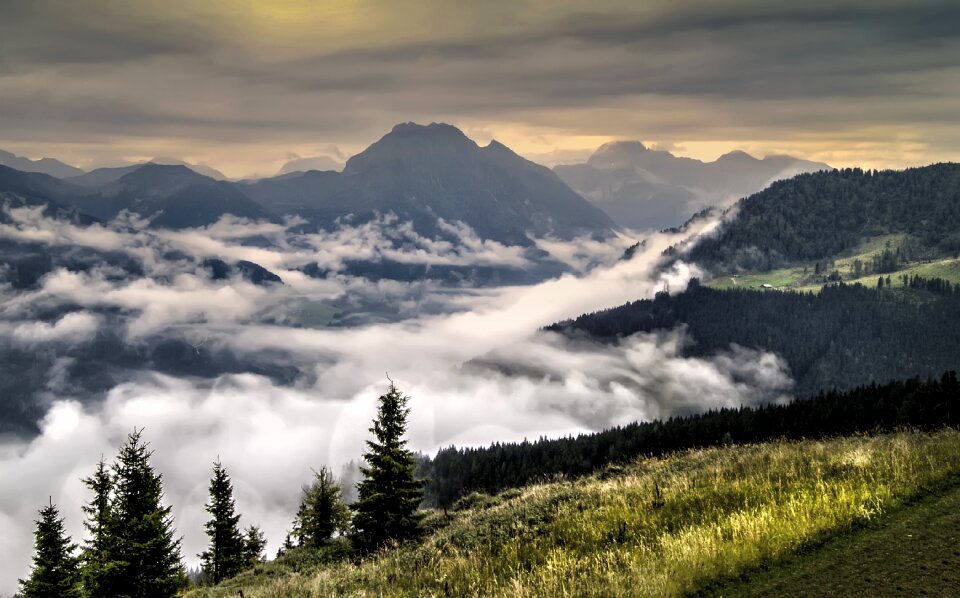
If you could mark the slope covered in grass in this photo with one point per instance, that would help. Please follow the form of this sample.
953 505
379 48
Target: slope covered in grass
664 526
914 552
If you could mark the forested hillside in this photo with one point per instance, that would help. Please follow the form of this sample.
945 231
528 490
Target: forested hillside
844 336
819 215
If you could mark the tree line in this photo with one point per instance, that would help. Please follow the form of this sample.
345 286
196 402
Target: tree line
132 549
926 404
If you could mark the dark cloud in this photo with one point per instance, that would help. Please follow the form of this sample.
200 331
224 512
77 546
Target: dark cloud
203 79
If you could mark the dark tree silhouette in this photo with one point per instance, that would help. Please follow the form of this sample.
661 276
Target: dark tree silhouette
254 545
322 512
55 571
225 557
142 554
389 495
95 572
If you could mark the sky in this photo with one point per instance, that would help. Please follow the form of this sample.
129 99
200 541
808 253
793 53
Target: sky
248 85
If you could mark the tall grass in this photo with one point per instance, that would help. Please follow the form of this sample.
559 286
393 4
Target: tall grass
660 527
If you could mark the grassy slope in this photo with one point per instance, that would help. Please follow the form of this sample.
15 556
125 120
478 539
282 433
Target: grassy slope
800 276
661 527
913 552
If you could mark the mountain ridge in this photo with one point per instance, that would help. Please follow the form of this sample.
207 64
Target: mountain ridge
425 172
49 166
643 188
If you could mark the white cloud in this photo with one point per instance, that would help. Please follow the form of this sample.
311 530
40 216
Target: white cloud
72 328
269 436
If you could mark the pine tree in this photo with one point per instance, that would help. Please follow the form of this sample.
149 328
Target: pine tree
322 511
55 571
389 495
95 572
254 545
142 553
225 556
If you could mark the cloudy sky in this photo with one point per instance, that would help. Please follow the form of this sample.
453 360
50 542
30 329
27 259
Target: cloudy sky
245 85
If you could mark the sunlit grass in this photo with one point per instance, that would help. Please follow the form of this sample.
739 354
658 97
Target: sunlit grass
661 527
801 277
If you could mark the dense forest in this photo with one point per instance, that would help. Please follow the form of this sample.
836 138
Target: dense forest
929 404
844 336
818 215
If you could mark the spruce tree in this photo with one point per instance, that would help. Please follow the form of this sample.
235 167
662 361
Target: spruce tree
55 571
95 571
225 556
254 545
322 511
142 553
389 495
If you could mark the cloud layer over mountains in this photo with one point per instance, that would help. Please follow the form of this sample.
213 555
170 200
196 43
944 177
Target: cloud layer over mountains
470 356
866 82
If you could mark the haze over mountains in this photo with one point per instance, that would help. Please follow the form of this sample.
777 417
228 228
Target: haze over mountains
643 188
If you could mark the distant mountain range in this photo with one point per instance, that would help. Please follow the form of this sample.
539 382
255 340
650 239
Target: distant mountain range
49 166
420 173
314 163
174 196
642 188
425 172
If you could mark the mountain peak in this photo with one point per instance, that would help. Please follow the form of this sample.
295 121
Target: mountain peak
156 175
737 156
411 143
617 154
433 129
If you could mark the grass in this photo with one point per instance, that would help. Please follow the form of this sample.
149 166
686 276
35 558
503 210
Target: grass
800 277
914 552
660 527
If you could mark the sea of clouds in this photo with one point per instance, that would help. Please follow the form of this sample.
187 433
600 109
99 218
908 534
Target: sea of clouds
269 434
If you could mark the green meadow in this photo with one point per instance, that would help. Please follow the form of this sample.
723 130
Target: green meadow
701 521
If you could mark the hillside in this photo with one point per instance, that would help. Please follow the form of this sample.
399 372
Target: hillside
659 527
643 188
817 218
841 337
422 172
913 552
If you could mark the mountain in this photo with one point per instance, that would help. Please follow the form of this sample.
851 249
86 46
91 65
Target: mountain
19 189
175 196
314 163
824 214
102 176
425 172
642 188
50 166
207 171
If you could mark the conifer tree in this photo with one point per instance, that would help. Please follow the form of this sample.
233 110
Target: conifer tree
55 571
389 495
322 511
225 556
254 545
95 572
142 553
